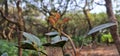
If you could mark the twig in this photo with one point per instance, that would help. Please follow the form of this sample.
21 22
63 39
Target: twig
6 18
73 46
43 53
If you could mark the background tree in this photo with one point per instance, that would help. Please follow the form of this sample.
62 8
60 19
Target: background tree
113 29
19 23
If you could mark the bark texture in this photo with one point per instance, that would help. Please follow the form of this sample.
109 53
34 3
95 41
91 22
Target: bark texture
113 29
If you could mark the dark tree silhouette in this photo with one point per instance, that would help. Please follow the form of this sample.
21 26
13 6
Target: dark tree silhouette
113 29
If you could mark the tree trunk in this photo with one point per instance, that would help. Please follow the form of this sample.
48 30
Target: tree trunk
6 8
20 27
113 29
87 18
89 23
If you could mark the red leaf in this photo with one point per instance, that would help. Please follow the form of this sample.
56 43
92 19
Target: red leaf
65 20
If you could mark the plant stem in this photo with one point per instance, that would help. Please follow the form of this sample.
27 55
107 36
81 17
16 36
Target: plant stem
43 53
19 43
73 46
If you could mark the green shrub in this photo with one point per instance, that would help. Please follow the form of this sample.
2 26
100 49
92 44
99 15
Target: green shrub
9 47
79 40
107 37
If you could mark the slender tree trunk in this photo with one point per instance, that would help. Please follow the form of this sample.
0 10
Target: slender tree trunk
6 8
87 18
6 14
113 29
89 23
19 43
20 27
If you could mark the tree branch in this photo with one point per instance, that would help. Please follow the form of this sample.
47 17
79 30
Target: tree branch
6 18
65 9
43 53
99 4
2 21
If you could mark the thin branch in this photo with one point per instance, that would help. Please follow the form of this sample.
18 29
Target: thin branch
65 9
44 10
59 5
73 46
77 4
43 53
86 3
6 18
6 8
91 5
71 41
99 4
2 21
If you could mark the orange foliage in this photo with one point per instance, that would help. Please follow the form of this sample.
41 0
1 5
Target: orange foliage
54 19
65 20
57 16
51 20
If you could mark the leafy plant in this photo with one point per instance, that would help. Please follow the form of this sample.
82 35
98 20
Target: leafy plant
100 27
81 40
10 49
32 42
58 41
52 34
4 54
57 25
107 37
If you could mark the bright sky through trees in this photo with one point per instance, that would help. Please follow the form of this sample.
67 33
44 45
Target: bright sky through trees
97 8
101 8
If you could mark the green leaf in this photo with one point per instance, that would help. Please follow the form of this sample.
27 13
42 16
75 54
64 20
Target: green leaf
32 38
27 41
57 41
107 37
46 44
4 54
56 44
52 34
100 27
58 38
29 45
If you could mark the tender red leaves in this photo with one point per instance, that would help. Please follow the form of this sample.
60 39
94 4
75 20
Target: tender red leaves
54 19
51 20
65 20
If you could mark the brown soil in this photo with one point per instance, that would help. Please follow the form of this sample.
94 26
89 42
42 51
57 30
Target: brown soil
101 50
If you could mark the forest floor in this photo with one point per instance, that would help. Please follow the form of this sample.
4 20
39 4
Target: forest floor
97 50
100 50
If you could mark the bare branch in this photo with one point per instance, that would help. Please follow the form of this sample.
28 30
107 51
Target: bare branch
99 4
65 9
77 4
20 26
7 18
86 3
2 21
6 8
